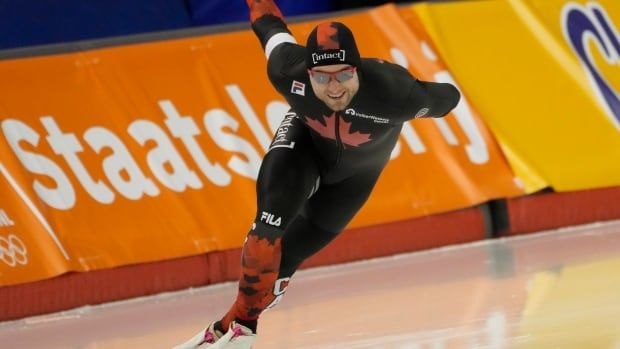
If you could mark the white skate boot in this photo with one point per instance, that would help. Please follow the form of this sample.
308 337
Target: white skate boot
204 339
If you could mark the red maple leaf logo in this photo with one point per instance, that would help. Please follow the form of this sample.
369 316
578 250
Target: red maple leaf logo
355 139
327 129
327 36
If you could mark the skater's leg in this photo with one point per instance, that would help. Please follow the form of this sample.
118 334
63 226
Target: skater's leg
286 179
301 240
324 216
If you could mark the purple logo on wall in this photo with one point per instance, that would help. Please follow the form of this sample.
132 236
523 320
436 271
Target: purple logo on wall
591 23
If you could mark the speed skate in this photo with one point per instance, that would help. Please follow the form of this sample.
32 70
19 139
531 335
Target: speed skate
237 337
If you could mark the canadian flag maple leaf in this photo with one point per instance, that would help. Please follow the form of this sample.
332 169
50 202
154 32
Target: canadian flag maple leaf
327 129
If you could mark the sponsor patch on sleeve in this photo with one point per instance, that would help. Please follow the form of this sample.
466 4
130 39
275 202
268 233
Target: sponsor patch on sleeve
421 112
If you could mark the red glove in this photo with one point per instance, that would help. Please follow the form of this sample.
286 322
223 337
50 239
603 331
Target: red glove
259 8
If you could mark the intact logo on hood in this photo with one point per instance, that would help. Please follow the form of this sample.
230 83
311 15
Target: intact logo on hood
319 57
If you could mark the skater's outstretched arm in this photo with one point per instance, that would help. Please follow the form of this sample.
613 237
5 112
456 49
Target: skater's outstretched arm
437 98
268 25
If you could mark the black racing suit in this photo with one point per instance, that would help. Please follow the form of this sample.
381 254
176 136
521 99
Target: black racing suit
322 164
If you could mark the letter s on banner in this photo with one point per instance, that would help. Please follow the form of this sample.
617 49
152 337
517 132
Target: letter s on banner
216 121
61 198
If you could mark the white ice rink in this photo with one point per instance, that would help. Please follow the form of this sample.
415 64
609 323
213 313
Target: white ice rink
558 289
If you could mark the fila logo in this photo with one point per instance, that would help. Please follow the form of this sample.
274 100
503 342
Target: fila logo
270 219
298 88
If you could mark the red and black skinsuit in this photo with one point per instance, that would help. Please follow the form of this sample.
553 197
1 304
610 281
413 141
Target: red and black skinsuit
322 165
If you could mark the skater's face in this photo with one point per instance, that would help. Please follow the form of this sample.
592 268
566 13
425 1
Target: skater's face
334 84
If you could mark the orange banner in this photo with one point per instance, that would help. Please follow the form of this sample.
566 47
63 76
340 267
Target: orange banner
150 151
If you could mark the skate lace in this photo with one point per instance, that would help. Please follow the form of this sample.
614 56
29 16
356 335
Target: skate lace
209 338
237 332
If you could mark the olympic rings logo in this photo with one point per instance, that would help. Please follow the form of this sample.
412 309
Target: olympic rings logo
13 251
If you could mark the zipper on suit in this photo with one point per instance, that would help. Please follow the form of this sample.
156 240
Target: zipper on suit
338 141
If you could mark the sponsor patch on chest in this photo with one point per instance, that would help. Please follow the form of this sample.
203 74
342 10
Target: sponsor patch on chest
373 118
